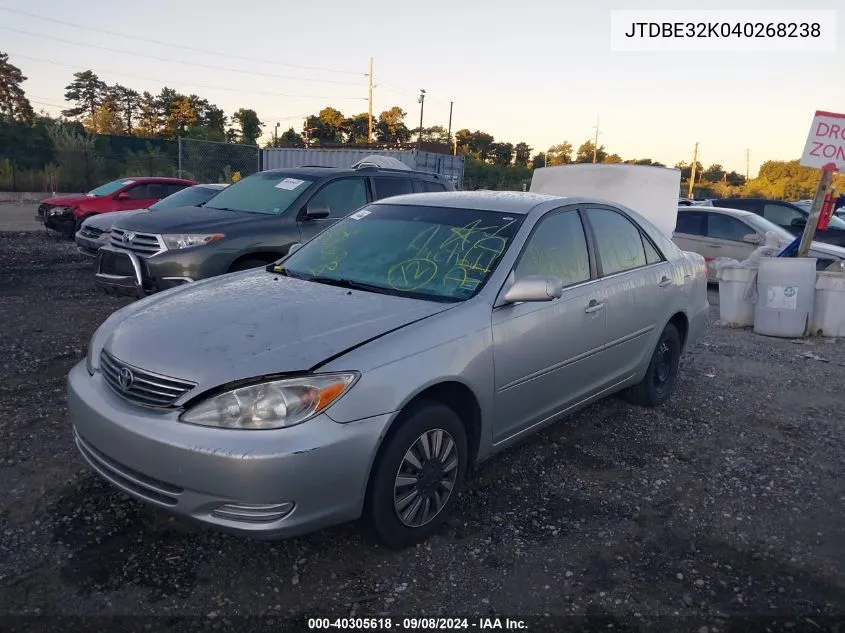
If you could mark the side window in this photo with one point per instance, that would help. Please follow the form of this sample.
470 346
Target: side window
558 248
780 214
172 188
619 241
388 187
342 197
724 227
433 186
690 223
140 192
419 186
651 254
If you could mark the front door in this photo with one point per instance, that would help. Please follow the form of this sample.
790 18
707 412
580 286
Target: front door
726 234
342 197
141 196
546 354
637 282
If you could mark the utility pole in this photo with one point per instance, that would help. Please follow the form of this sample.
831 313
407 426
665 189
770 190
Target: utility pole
692 171
747 163
276 135
451 103
370 127
815 212
422 105
596 142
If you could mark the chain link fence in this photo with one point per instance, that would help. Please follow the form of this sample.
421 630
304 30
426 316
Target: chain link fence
212 161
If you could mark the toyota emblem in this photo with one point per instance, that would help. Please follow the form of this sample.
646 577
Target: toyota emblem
125 378
128 238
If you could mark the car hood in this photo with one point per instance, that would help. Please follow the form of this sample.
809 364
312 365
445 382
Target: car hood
189 220
818 249
104 221
254 323
67 201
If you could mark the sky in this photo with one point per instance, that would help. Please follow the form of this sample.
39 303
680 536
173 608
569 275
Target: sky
540 72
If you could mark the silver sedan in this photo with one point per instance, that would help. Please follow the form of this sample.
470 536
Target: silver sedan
366 372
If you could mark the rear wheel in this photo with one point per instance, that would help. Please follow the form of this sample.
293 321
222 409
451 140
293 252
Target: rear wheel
662 373
417 478
246 264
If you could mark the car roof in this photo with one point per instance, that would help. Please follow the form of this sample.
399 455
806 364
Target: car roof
518 202
157 179
321 172
725 210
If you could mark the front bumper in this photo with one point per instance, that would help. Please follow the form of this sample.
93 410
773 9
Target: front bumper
264 484
123 272
87 245
62 222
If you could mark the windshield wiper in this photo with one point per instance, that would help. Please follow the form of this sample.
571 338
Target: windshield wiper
225 209
353 285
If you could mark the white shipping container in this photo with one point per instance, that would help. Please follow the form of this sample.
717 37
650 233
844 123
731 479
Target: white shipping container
451 167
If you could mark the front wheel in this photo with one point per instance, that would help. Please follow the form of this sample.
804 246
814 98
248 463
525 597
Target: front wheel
417 478
662 373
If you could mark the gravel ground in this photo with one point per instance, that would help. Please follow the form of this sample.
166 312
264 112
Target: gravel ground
726 501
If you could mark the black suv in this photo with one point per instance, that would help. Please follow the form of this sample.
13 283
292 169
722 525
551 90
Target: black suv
787 215
249 224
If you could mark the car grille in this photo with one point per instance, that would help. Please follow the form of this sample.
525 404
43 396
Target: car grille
142 244
142 387
91 232
42 210
126 478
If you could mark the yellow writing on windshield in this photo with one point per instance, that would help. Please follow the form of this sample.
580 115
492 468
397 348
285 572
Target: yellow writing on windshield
411 274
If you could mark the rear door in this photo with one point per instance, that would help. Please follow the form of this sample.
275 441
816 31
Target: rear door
637 283
785 216
691 233
726 236
342 196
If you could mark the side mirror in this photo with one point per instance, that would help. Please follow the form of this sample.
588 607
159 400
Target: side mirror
534 288
753 238
316 211
294 247
122 196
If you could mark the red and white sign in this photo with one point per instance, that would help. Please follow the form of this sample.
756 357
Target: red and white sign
825 148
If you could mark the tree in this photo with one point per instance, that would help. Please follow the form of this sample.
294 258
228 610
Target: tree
357 129
481 143
129 103
180 117
642 161
106 119
436 134
686 170
14 105
585 153
250 126
290 139
614 158
149 116
391 128
714 173
502 153
86 92
522 153
539 161
560 154
463 138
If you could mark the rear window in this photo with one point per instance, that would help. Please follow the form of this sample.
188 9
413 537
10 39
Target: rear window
690 223
389 187
433 186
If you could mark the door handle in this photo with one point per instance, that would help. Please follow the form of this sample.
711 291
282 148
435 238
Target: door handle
593 306
714 246
665 282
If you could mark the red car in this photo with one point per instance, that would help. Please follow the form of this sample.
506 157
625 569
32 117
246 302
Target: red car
65 214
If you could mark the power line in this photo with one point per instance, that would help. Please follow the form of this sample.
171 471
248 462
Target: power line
179 46
195 85
177 61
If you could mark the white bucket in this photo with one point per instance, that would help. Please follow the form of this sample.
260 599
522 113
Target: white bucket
786 288
734 309
829 309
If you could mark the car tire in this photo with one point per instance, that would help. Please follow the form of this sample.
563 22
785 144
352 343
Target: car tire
389 507
662 374
246 264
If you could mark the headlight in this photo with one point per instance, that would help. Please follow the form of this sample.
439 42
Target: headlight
176 241
271 405
59 211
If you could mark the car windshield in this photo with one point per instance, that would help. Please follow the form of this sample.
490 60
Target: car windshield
108 188
188 197
433 253
267 193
